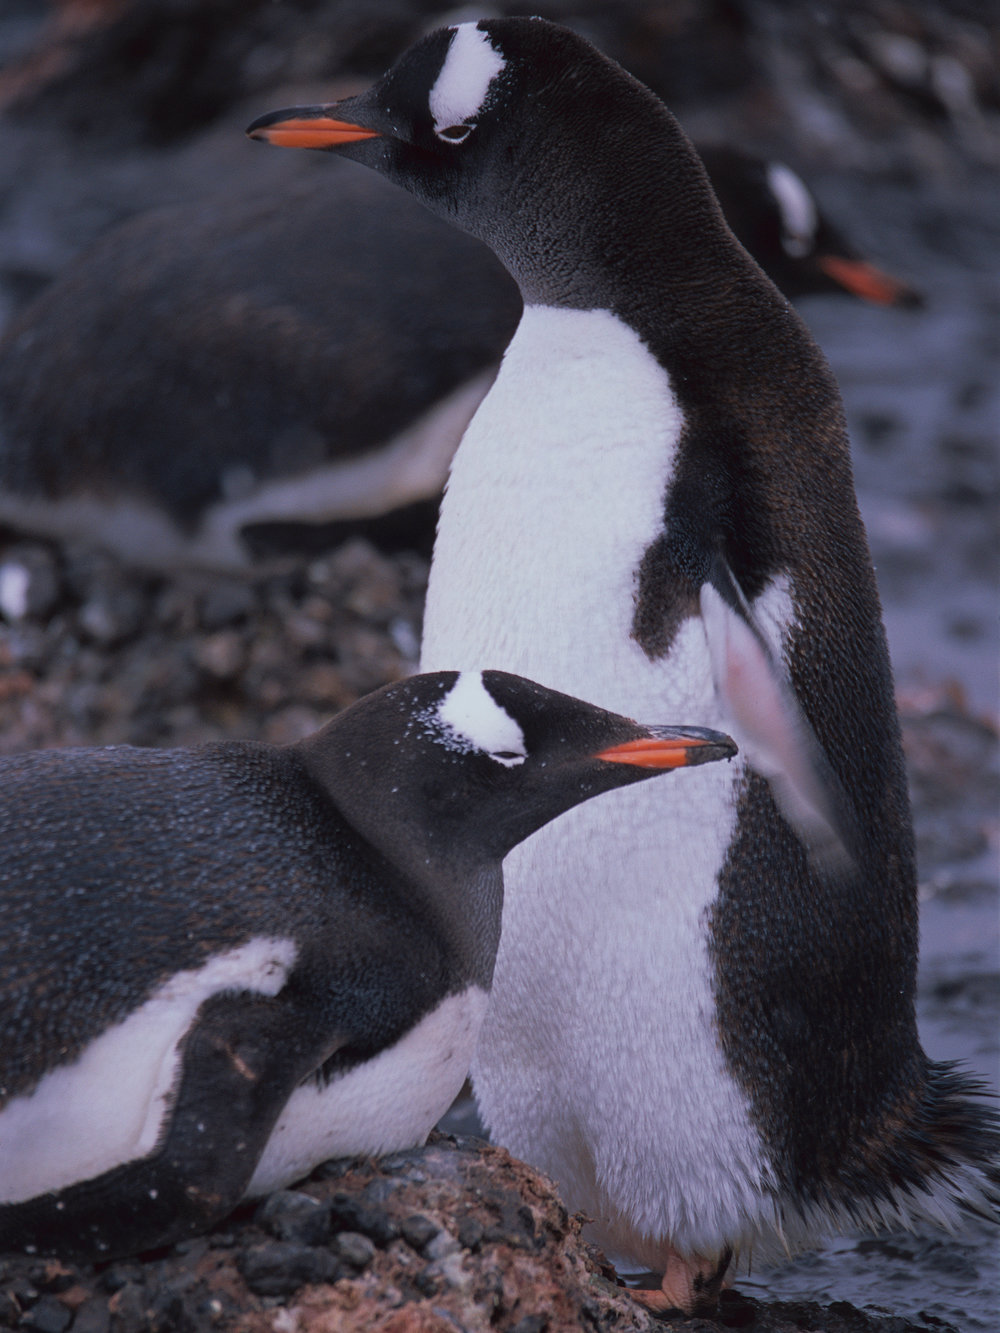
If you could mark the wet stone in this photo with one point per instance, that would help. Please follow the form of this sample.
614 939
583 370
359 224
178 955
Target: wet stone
355 1249
164 1310
221 655
115 1277
418 1230
93 1317
380 1190
54 1276
193 1248
226 603
441 1246
293 1216
111 616
532 1323
23 1291
278 1268
735 1311
470 1233
48 1315
128 1308
428 1281
338 1167
350 1214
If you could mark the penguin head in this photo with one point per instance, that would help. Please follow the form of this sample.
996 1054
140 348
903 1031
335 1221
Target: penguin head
780 222
524 134
462 766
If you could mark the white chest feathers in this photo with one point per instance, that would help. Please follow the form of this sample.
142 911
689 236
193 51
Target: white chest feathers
554 494
388 1103
598 1060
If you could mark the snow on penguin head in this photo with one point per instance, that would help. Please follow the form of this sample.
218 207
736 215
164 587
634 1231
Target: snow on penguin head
462 87
469 719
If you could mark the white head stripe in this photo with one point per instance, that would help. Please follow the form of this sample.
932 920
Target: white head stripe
797 208
476 720
469 68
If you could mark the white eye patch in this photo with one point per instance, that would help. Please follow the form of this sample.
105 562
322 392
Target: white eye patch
472 719
460 89
797 208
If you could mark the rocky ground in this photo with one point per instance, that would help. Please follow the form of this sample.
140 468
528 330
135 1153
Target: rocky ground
111 115
456 1236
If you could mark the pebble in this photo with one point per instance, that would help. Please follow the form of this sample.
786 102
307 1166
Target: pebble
92 652
278 1268
355 1249
293 1216
248 1278
226 603
441 1246
92 1317
111 615
222 654
48 1315
418 1231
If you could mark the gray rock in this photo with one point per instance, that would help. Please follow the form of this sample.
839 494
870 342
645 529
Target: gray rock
355 1249
277 1268
293 1216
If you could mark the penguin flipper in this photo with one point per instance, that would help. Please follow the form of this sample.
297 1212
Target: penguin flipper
768 724
241 1062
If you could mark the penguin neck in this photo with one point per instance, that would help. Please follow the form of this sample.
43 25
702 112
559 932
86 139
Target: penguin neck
624 221
452 879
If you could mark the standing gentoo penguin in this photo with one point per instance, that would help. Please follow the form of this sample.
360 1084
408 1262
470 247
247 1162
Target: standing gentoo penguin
654 507
222 965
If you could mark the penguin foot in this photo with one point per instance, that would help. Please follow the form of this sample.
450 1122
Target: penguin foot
691 1284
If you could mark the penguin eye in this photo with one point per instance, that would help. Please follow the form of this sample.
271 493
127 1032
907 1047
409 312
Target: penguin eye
455 133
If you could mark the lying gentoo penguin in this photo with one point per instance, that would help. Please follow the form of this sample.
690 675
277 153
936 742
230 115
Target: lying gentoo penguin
225 964
654 507
239 402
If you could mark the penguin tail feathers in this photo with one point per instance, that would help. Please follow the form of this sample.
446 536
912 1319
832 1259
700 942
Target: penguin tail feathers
941 1164
959 1140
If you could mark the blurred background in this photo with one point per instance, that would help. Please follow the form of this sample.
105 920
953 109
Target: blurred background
112 108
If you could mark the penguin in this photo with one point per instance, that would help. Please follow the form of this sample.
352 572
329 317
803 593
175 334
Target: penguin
777 218
225 964
333 393
654 507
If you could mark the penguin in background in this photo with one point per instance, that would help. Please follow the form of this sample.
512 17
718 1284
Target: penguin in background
334 394
654 506
223 965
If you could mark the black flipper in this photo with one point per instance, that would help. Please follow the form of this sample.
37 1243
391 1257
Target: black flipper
240 1063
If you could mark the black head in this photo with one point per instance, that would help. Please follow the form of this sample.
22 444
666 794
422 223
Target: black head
779 220
524 134
458 768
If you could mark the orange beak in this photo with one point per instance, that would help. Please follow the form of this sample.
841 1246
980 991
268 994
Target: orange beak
866 281
672 747
307 127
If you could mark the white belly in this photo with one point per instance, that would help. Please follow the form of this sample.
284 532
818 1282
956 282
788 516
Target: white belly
599 1059
386 1104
